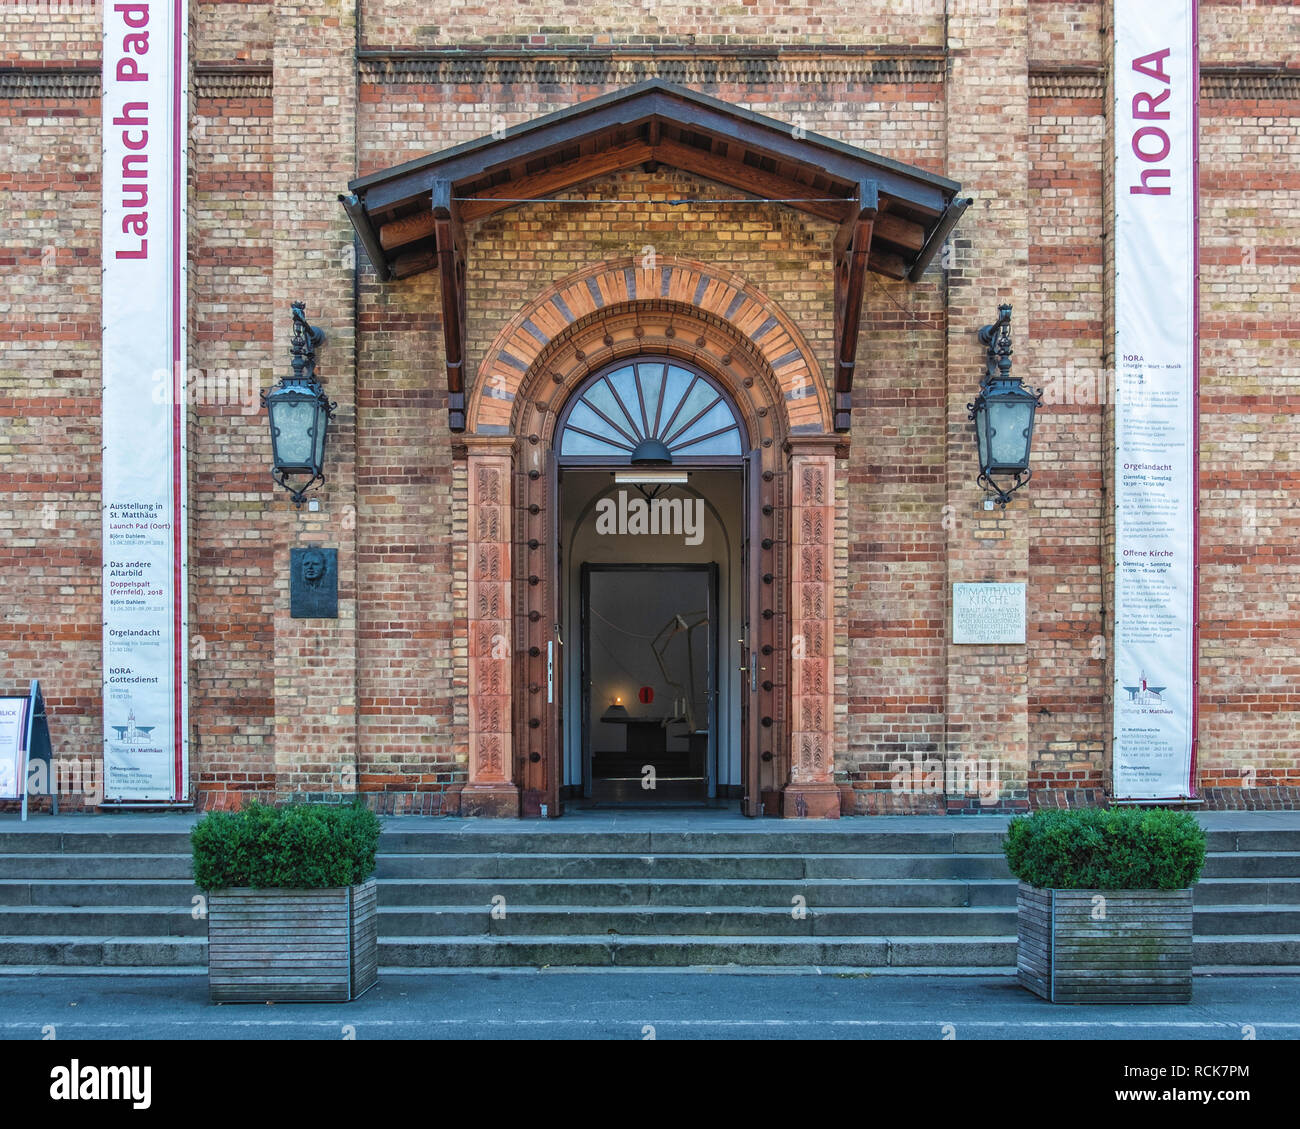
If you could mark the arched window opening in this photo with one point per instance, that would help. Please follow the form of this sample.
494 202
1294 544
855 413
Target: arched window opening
642 403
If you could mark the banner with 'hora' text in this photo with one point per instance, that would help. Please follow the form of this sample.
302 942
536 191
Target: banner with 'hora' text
1155 495
144 331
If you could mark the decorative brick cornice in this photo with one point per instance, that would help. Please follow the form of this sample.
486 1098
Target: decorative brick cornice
1263 83
1271 85
1067 84
457 71
79 83
232 82
35 82
257 82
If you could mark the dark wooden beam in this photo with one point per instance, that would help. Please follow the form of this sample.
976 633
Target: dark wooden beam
895 229
890 265
851 280
451 270
408 229
746 178
410 263
557 179
629 155
888 227
956 207
356 212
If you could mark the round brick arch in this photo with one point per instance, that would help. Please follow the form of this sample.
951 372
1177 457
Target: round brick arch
678 306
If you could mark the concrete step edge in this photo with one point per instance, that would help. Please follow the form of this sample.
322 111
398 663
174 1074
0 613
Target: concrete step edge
47 971
643 940
101 939
699 911
1246 938
724 880
114 881
30 911
151 971
642 855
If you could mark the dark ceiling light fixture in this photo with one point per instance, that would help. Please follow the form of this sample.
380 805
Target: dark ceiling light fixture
299 413
652 474
1003 414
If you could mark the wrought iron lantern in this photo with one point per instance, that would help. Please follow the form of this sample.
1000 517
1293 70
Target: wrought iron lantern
299 414
1003 414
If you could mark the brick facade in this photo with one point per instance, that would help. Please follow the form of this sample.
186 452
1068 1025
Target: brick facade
290 102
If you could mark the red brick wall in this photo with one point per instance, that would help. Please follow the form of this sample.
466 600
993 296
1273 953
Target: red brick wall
49 401
379 700
233 568
410 557
1066 631
1250 433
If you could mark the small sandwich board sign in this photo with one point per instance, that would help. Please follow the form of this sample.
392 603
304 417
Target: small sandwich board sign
24 737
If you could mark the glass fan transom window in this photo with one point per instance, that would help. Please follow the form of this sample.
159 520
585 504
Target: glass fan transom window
643 400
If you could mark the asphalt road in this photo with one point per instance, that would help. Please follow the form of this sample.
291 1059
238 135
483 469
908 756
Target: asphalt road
558 1005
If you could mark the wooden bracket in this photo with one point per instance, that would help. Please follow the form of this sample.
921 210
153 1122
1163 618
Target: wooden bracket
853 251
451 270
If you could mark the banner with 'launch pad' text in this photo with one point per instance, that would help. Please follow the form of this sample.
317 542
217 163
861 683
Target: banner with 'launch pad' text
144 291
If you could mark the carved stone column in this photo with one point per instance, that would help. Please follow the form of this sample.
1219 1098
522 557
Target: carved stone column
812 791
490 790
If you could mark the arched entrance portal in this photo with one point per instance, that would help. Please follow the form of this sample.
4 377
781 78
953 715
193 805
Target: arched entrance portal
548 429
651 454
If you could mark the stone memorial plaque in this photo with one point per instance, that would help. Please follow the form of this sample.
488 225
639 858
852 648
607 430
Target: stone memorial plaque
314 583
988 613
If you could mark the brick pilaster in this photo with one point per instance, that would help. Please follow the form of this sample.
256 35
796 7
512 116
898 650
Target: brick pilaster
313 154
988 151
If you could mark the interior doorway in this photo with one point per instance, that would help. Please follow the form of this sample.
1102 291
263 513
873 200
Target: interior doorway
649 462
649 680
652 664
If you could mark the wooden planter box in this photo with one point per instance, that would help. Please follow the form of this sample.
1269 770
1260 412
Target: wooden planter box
292 945
1139 952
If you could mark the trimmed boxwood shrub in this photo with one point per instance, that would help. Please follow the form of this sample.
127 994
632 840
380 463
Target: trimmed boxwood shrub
300 846
1106 849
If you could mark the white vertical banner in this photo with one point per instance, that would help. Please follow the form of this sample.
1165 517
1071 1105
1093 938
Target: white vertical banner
144 356
1156 323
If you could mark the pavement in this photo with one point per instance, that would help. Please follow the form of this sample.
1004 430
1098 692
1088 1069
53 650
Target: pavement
563 1004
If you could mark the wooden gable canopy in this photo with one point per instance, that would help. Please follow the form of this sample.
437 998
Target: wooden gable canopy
892 218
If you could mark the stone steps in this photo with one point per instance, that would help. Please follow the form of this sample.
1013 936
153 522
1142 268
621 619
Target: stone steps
958 955
671 921
598 950
89 866
116 866
170 892
688 892
111 951
754 867
884 900
76 922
